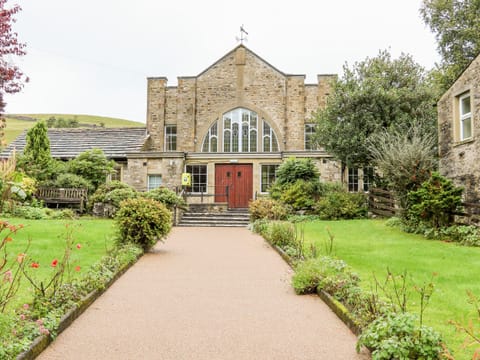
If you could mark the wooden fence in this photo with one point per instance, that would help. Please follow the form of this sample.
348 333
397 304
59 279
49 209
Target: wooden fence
381 202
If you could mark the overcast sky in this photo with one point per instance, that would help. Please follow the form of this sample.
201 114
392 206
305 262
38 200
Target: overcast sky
93 56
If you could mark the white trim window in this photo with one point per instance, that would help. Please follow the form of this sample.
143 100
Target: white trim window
465 114
170 137
353 179
309 137
269 175
154 181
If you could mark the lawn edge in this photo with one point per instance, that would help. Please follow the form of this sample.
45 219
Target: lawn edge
42 341
336 306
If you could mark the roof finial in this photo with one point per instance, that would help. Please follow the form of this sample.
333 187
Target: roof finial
242 37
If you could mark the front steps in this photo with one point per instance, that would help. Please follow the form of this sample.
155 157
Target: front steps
228 218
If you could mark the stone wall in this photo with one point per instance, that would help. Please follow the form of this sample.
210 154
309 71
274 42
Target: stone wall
239 79
459 159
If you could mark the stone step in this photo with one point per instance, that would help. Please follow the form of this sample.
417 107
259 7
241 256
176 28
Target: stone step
225 219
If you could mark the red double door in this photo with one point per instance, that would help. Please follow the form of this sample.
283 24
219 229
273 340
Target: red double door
239 180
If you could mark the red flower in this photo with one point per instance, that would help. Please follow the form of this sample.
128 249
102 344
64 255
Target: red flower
35 265
79 246
54 263
8 239
77 268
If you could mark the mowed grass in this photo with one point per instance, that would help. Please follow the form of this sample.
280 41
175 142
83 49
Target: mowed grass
47 242
16 126
370 247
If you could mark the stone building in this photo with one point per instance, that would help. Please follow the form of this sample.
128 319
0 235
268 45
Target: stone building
229 127
459 131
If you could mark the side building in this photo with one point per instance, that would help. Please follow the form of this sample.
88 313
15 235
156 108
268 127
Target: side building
459 131
229 127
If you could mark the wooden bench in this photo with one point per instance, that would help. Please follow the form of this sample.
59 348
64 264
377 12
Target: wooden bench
57 196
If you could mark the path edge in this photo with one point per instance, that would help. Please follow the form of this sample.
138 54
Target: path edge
336 306
42 341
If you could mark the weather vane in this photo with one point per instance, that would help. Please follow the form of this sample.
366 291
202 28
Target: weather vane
242 37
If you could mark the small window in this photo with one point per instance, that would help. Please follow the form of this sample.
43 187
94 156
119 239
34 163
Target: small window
465 113
116 174
170 137
268 177
367 178
353 179
199 178
310 137
154 181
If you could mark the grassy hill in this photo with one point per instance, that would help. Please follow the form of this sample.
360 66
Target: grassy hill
17 123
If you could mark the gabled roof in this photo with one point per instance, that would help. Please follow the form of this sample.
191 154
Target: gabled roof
68 143
233 51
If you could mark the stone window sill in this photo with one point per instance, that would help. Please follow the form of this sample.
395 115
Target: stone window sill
463 142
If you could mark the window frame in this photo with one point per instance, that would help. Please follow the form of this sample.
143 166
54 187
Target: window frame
463 117
353 179
308 144
170 138
196 184
150 177
262 166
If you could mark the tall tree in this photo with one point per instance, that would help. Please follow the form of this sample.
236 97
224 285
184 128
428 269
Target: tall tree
375 95
456 25
36 160
12 78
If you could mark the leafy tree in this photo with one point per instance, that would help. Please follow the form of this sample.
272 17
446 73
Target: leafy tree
405 159
374 95
11 77
36 160
92 165
456 25
296 169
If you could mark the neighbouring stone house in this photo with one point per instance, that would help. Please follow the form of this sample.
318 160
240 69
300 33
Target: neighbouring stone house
459 131
230 127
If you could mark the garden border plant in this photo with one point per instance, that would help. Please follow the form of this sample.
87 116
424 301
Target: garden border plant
384 307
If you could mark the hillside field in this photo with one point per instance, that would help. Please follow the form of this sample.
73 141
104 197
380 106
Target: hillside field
17 123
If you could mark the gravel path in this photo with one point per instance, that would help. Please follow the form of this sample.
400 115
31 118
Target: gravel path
207 293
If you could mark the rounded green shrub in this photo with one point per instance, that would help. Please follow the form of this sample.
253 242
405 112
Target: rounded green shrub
265 208
167 197
116 196
104 189
342 205
69 180
280 233
143 221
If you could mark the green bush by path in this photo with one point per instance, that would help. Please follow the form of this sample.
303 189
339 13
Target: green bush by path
370 247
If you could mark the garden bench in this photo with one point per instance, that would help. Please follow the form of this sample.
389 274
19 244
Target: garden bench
57 196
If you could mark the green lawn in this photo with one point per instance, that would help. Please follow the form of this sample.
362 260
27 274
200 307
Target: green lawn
16 126
369 246
47 242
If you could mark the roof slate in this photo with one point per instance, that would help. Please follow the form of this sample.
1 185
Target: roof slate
68 143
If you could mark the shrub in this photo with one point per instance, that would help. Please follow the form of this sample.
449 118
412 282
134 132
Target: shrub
301 195
342 205
93 166
116 196
280 233
296 169
143 222
468 235
69 180
29 212
167 197
435 202
104 189
265 208
396 336
310 273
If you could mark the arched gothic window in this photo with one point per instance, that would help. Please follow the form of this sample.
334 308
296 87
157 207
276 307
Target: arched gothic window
241 130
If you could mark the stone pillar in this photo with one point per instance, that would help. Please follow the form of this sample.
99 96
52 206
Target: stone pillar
186 114
295 112
156 111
